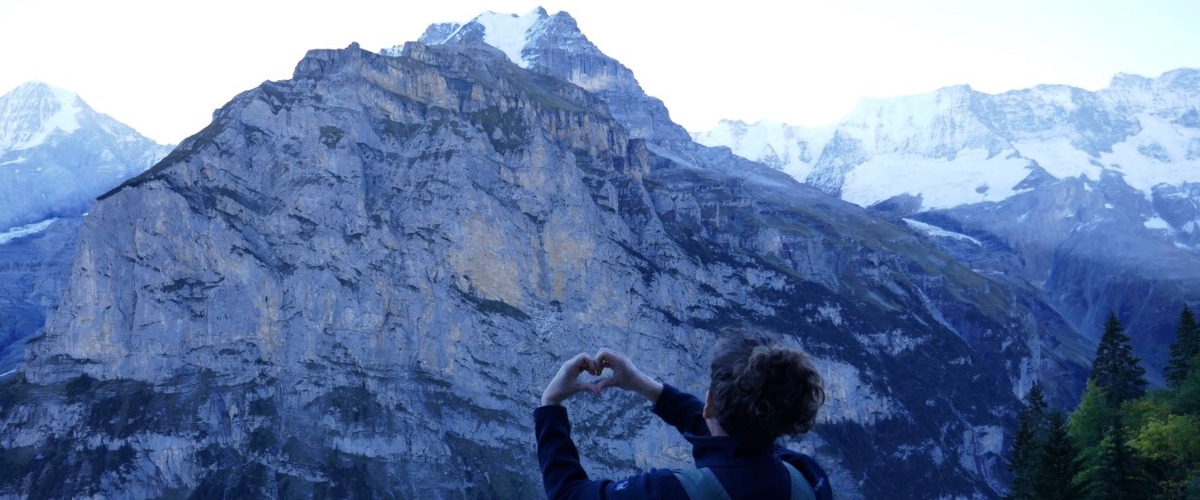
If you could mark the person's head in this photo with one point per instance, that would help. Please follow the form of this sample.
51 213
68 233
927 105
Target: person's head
761 391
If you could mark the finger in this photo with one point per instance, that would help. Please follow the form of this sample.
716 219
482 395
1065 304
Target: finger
579 363
605 356
593 366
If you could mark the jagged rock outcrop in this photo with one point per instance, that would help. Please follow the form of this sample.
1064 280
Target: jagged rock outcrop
355 283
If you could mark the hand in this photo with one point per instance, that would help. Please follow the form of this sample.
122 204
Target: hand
627 376
566 382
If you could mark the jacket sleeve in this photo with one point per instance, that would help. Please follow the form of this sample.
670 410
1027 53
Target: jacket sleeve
564 478
682 411
810 469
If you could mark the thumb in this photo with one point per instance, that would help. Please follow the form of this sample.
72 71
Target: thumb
605 384
591 387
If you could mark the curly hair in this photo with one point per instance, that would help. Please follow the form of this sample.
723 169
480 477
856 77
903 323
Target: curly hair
761 391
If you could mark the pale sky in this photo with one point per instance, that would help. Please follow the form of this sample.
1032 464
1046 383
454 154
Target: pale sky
163 66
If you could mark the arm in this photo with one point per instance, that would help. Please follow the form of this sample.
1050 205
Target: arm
564 477
682 411
676 408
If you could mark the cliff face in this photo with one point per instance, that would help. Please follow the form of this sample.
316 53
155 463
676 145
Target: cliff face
356 283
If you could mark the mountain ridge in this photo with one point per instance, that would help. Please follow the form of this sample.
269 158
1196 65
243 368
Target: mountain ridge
1111 169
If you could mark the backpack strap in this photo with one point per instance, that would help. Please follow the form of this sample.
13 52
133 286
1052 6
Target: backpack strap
801 490
701 484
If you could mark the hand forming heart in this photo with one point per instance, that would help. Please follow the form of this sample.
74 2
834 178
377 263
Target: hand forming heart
624 375
566 382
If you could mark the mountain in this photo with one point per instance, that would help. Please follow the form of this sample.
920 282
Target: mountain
56 156
1091 196
356 283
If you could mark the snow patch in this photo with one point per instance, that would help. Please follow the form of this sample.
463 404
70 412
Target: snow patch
510 33
26 230
938 232
1059 157
1157 223
1172 164
972 177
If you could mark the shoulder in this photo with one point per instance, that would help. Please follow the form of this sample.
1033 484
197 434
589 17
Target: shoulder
811 470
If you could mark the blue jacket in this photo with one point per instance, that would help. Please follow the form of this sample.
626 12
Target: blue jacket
746 470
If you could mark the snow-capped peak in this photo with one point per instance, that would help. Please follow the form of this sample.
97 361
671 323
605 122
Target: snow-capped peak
33 111
509 33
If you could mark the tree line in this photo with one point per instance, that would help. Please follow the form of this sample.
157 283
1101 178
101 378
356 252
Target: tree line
1122 441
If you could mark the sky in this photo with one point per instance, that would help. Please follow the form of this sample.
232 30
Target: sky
164 66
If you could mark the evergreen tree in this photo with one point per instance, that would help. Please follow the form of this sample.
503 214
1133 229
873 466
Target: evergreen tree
1185 351
1111 470
1092 418
1116 370
1056 467
1025 457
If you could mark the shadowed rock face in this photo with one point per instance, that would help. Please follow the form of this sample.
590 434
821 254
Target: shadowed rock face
356 282
33 272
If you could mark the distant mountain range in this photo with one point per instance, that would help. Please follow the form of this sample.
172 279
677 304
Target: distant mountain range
57 155
1094 197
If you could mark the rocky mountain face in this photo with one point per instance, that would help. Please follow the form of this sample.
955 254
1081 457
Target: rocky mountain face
56 156
1090 196
356 282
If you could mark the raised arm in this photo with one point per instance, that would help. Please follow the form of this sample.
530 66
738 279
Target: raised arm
564 477
682 411
678 409
562 473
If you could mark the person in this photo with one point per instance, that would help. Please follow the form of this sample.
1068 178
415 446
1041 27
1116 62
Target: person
757 393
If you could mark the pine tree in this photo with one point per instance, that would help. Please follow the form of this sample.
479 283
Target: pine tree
1185 351
1056 467
1025 457
1020 458
1116 370
1092 418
